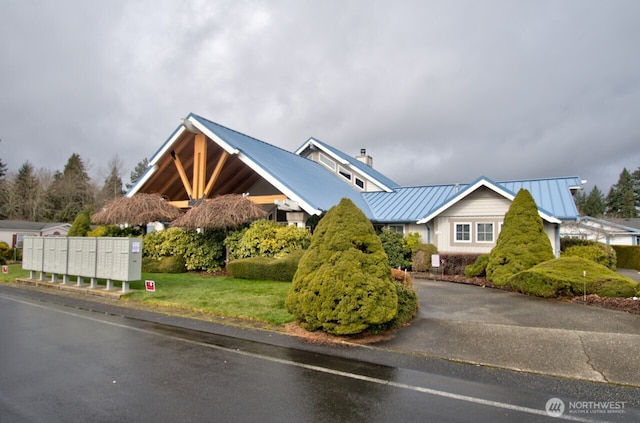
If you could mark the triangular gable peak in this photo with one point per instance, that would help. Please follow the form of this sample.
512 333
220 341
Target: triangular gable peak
202 159
358 172
473 187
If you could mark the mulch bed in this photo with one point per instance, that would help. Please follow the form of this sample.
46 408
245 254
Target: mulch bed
628 305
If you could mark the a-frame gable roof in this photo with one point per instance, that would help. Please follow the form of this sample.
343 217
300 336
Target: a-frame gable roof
300 179
347 161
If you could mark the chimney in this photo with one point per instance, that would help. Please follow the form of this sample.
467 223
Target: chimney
364 158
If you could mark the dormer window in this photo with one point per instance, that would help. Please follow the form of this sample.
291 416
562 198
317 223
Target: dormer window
344 172
327 162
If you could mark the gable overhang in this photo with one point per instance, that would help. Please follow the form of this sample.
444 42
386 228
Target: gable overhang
483 182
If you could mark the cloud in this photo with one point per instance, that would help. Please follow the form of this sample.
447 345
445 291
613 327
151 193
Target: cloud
437 91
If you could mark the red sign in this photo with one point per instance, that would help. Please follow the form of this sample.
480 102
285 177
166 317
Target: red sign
150 285
5 269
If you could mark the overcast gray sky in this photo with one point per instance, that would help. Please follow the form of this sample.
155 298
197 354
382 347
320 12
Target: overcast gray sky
436 91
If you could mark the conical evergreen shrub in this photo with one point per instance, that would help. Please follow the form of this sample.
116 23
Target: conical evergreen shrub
522 242
343 283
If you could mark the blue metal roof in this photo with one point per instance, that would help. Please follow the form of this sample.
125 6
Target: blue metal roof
319 188
362 167
310 181
410 204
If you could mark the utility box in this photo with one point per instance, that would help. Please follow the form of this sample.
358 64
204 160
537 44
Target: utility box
55 255
33 253
119 259
82 256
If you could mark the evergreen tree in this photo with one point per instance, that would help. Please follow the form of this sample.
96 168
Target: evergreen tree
112 187
621 200
593 204
343 283
81 224
137 172
27 195
522 242
71 191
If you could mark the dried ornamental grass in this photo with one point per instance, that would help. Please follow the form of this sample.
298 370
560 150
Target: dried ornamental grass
224 211
137 210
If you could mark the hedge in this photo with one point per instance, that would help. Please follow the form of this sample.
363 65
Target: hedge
266 268
628 256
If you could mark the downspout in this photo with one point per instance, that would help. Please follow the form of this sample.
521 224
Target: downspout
557 231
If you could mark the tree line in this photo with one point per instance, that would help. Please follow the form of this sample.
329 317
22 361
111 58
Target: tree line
622 201
38 195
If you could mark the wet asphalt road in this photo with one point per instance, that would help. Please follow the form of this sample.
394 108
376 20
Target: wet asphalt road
63 364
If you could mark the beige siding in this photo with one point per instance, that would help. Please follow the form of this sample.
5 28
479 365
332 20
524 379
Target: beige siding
482 206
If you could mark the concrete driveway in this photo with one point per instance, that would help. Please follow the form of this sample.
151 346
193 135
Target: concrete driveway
514 331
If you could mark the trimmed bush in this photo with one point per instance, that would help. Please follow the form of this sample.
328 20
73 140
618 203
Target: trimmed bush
565 277
522 243
596 252
479 268
266 268
81 224
421 257
628 256
6 252
200 250
343 284
393 244
408 305
265 238
173 264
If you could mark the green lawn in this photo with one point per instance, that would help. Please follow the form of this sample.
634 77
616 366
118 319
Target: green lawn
217 296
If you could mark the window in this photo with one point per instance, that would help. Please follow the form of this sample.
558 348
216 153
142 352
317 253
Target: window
327 162
463 232
344 172
359 183
397 228
484 232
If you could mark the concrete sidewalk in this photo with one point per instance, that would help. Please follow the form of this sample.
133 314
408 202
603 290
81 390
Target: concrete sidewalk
508 330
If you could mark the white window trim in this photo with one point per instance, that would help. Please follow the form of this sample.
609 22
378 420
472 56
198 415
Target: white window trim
344 172
396 225
325 160
355 181
455 232
493 232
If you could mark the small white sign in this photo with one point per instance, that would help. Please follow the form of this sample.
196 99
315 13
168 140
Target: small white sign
150 286
5 269
435 260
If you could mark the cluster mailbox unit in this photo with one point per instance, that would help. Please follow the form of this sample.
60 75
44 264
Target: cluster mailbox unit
113 259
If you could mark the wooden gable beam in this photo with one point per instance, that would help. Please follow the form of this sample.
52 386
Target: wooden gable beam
183 174
266 199
199 166
216 173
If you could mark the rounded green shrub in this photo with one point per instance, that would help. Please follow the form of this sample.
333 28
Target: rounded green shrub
265 238
596 252
570 276
200 250
522 243
408 305
479 268
343 283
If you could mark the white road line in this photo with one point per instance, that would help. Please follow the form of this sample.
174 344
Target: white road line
429 391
